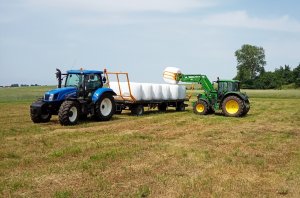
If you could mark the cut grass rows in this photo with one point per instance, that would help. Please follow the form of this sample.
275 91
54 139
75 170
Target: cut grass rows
176 154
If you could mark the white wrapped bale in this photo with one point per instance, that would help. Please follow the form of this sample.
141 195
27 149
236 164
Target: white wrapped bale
174 90
115 87
166 95
147 91
182 92
136 90
170 74
157 91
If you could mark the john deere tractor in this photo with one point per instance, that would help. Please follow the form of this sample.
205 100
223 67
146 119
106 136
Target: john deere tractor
226 97
82 95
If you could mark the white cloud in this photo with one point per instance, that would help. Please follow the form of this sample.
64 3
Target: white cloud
126 5
241 19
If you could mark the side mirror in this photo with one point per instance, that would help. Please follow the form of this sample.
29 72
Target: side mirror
104 80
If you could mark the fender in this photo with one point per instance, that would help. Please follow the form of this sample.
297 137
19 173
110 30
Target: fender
99 92
203 99
244 97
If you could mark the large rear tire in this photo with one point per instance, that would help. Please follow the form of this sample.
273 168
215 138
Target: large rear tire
105 107
200 107
68 113
233 106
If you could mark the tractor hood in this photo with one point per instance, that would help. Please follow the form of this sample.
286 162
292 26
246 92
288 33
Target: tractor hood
60 94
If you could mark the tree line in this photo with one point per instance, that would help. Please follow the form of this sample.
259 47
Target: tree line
252 74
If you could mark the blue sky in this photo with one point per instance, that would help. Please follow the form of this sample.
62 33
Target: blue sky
142 37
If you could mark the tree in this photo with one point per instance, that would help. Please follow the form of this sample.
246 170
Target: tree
296 73
250 62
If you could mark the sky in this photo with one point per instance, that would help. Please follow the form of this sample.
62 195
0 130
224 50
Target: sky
142 37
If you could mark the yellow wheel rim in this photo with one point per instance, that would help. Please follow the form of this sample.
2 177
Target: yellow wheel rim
200 108
232 106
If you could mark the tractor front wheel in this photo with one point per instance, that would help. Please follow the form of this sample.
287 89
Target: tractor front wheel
40 115
40 118
105 107
233 106
200 107
68 113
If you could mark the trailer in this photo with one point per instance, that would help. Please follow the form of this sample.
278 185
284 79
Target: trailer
126 100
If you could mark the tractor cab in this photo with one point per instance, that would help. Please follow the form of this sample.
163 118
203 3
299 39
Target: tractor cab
225 86
85 81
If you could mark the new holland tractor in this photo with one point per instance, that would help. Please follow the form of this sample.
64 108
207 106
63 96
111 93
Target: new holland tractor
226 97
82 95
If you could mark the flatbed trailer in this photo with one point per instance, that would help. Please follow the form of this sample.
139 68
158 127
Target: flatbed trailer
137 106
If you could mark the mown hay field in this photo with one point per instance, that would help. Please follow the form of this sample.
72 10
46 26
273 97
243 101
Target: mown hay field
173 154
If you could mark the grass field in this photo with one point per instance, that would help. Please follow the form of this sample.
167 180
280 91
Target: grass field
173 154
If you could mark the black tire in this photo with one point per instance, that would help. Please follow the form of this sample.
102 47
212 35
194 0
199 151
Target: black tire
211 110
233 106
43 117
200 107
162 107
118 111
68 113
180 106
246 108
138 110
83 117
105 107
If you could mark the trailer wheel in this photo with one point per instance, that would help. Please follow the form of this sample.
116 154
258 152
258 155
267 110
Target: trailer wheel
137 110
233 106
180 106
105 107
200 107
118 111
68 113
162 107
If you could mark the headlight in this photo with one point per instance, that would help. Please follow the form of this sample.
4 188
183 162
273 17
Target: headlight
51 97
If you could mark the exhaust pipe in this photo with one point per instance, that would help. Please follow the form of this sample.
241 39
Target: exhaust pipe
58 76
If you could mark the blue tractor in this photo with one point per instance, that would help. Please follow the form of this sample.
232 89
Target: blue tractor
81 96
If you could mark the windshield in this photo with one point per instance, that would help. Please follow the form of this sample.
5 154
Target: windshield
228 86
73 80
233 86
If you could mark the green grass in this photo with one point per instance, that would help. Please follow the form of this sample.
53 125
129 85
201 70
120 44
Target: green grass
22 94
173 154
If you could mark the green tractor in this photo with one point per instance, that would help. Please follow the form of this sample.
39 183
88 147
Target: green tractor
226 97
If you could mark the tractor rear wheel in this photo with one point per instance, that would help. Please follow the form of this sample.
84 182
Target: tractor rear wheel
233 106
105 107
68 113
200 107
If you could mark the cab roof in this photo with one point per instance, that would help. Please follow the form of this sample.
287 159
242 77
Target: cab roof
229 81
84 72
